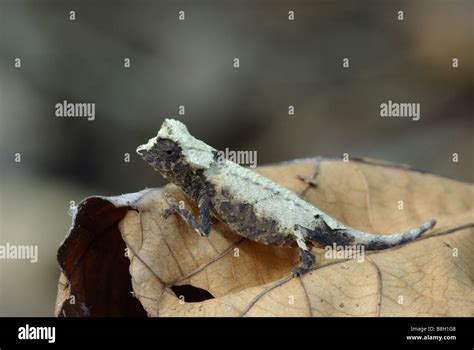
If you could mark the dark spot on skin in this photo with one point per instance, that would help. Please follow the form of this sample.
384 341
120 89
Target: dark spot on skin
167 158
307 259
377 244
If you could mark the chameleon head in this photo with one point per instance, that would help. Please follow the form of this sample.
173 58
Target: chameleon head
174 150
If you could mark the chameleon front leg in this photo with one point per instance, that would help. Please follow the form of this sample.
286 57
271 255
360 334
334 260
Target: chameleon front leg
203 227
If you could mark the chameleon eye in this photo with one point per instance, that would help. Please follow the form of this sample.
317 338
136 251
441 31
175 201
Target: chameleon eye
169 152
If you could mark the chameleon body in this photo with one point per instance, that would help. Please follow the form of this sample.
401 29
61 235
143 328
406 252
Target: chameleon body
250 204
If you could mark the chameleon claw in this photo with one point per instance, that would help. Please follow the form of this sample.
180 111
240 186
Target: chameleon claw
225 189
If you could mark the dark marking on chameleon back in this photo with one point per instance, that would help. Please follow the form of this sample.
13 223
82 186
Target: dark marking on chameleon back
242 217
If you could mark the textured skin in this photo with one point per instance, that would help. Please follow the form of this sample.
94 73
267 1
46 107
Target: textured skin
252 205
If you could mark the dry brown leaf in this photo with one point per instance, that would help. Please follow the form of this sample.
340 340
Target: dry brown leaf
225 275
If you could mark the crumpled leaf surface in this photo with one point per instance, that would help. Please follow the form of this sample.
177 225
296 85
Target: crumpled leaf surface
172 271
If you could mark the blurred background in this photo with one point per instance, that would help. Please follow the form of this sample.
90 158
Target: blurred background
190 63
